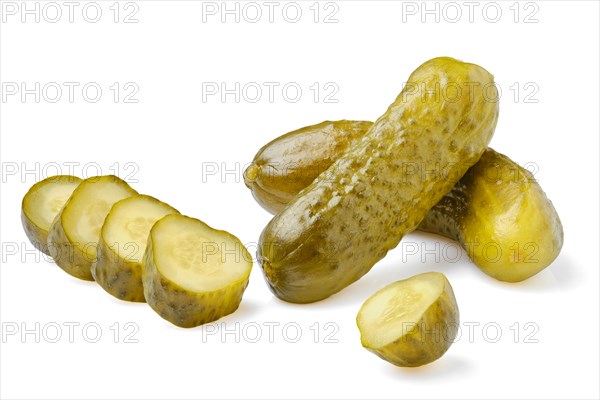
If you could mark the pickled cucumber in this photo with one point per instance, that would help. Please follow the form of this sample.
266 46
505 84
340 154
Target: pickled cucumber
410 322
502 218
193 274
42 203
74 234
286 165
507 192
339 226
123 238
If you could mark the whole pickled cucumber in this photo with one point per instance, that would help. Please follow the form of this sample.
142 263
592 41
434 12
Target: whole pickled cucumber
501 217
288 164
496 189
339 226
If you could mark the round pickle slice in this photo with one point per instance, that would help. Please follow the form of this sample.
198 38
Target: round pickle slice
42 203
411 322
193 274
123 239
74 234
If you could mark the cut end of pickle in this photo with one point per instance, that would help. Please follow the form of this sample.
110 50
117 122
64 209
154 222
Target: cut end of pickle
193 274
196 257
396 309
42 204
90 204
45 199
75 232
411 322
128 225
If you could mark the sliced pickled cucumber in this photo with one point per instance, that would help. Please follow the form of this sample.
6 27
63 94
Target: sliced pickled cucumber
123 239
497 211
286 165
74 234
339 226
410 322
193 274
502 218
42 203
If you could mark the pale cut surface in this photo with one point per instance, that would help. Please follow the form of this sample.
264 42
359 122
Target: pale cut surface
43 203
394 310
128 225
196 257
89 206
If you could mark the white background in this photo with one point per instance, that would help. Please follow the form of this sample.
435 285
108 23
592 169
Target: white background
171 139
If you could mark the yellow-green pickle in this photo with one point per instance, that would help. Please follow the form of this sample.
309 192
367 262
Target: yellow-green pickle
497 211
352 214
411 322
123 238
193 274
502 218
42 203
74 233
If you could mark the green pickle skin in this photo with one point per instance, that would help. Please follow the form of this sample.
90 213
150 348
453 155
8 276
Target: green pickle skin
501 216
473 212
345 221
119 277
288 164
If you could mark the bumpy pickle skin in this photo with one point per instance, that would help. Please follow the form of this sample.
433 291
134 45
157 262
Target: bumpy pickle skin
286 165
339 226
501 217
507 252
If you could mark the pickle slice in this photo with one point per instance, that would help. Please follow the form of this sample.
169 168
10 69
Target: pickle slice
193 274
123 239
411 322
74 234
42 203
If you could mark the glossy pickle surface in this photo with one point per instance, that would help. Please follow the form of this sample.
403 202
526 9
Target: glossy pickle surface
339 226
